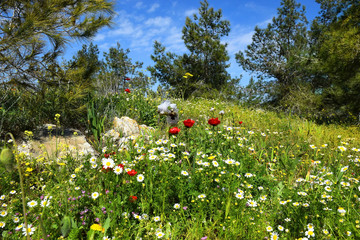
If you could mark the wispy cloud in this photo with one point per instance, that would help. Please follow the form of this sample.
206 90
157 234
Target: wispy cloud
158 21
190 12
139 5
238 39
174 42
153 7
99 37
264 23
251 5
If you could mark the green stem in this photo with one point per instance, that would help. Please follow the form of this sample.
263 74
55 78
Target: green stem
21 186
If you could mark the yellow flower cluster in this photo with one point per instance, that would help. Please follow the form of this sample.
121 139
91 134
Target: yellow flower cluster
97 227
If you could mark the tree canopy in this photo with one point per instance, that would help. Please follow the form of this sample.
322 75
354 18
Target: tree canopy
34 33
279 51
206 59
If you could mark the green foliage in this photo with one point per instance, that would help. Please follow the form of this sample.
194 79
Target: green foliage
66 226
207 60
208 56
280 51
30 109
302 101
96 122
336 44
134 105
74 234
118 72
83 68
34 33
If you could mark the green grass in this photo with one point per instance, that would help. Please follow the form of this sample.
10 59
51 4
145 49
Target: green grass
232 181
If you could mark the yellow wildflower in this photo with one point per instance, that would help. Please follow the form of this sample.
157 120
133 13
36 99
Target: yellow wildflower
97 227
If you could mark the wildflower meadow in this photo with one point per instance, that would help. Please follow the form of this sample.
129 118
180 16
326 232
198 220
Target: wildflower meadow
222 172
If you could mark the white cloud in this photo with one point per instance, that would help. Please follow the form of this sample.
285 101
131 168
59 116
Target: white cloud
124 28
139 5
104 47
153 7
251 5
239 42
173 41
99 37
264 24
158 21
238 39
190 12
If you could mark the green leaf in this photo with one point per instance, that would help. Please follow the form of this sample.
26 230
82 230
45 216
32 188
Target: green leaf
66 226
107 224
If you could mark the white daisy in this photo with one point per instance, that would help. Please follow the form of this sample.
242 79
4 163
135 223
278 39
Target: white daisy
202 196
252 203
29 231
184 173
108 163
118 170
160 234
310 233
32 203
140 178
94 195
269 228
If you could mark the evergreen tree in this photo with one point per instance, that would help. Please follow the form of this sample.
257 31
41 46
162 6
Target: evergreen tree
208 57
33 33
84 67
281 50
206 60
119 72
336 37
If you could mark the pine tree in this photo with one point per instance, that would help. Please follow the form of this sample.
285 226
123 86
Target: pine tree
34 33
208 56
336 44
206 60
280 51
119 72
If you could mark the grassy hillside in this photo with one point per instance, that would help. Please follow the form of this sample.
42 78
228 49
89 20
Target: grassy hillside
271 176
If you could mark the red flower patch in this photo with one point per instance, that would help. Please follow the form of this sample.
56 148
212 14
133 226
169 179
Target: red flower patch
214 121
189 123
174 130
132 172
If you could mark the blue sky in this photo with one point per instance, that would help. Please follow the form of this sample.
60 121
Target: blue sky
138 23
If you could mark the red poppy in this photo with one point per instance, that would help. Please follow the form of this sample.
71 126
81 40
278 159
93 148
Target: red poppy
240 122
189 123
214 121
132 172
127 79
133 198
174 130
121 165
106 155
127 90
